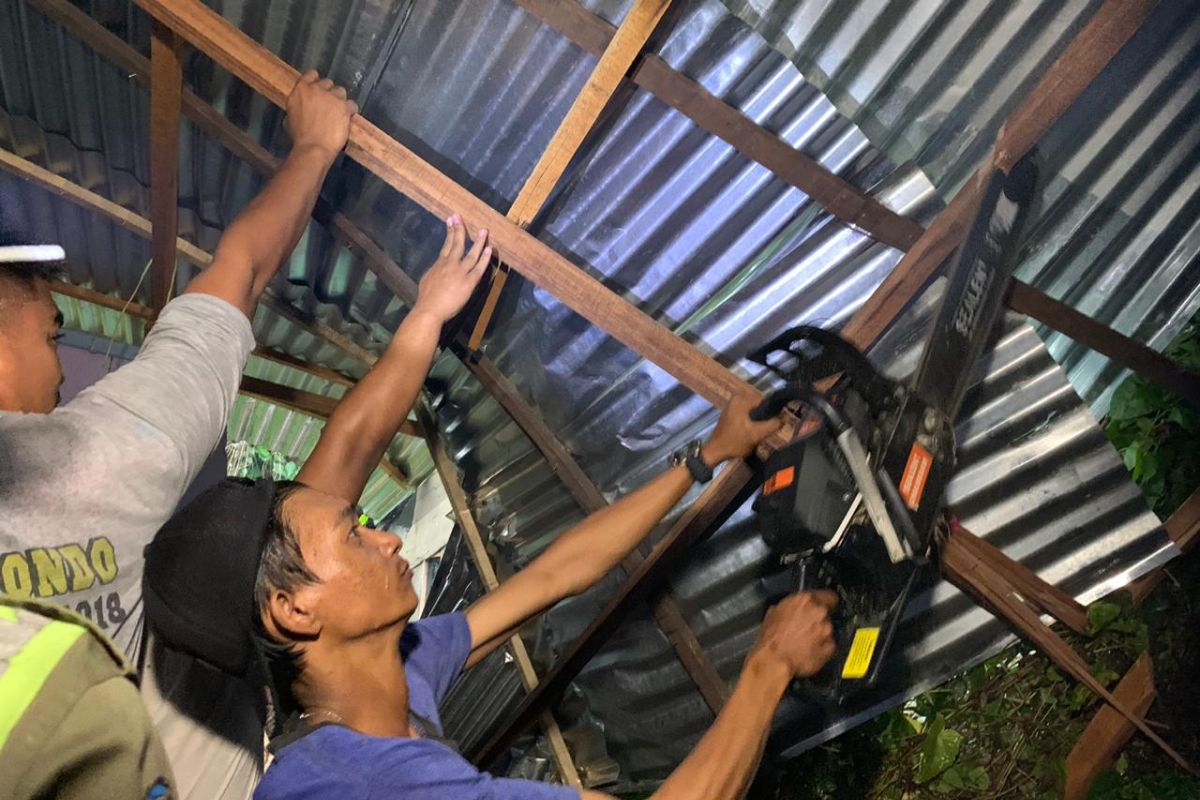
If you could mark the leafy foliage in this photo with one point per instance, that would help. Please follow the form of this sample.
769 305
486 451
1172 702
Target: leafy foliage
1157 435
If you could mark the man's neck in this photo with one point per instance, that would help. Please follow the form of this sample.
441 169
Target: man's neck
360 684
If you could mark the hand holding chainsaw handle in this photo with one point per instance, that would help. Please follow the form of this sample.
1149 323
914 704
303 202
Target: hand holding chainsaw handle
737 433
797 633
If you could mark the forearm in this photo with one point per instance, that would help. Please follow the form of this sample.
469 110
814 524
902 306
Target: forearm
367 418
584 554
266 232
723 764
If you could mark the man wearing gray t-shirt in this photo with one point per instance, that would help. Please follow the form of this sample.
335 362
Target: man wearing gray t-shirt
84 486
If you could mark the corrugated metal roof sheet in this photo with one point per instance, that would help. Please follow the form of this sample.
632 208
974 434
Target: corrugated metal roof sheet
707 242
931 82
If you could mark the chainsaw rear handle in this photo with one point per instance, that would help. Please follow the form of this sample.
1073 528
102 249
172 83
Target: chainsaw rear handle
775 402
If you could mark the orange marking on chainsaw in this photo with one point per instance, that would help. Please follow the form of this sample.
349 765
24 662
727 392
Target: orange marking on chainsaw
780 480
916 473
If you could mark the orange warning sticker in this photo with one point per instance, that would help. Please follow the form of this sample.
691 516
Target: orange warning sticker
916 473
780 480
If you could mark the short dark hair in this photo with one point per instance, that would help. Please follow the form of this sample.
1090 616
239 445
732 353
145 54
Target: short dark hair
28 273
281 567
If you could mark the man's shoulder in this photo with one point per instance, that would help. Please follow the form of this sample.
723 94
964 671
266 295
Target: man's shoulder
441 631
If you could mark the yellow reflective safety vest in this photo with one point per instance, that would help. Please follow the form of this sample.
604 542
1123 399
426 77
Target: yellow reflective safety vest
72 722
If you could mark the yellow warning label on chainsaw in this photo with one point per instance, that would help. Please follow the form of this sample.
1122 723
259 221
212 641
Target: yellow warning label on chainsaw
861 650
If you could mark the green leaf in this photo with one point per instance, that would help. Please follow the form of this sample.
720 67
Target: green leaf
1101 614
1184 418
1131 399
964 778
938 751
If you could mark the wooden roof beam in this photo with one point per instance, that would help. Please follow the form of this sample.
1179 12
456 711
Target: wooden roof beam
1108 731
606 77
409 174
311 403
166 87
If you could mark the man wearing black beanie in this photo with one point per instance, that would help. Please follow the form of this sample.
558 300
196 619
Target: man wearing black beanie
286 585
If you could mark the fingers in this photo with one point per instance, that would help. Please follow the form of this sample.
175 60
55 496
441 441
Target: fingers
825 598
457 237
325 83
483 262
308 76
339 92
473 258
449 240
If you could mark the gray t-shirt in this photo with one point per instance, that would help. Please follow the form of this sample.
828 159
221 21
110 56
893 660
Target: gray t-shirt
85 488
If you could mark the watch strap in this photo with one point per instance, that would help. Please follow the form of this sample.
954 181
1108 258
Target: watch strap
701 472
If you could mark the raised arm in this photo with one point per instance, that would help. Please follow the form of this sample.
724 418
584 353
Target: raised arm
364 422
583 555
253 247
795 641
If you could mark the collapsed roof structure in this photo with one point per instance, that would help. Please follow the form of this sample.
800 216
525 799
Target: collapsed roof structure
682 181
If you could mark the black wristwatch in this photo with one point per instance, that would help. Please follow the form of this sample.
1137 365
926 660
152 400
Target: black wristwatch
689 454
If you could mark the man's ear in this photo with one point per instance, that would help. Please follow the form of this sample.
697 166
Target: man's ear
292 613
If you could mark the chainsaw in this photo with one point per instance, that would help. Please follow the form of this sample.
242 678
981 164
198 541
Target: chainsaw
853 502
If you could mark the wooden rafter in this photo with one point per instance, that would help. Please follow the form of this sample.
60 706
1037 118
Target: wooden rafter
406 172
106 300
614 63
166 87
146 313
324 373
1128 352
487 573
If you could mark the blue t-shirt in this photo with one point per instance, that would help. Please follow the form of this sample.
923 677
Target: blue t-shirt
340 764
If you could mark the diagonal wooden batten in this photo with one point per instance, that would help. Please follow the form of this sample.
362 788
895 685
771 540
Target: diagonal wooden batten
1146 361
1108 731
618 56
